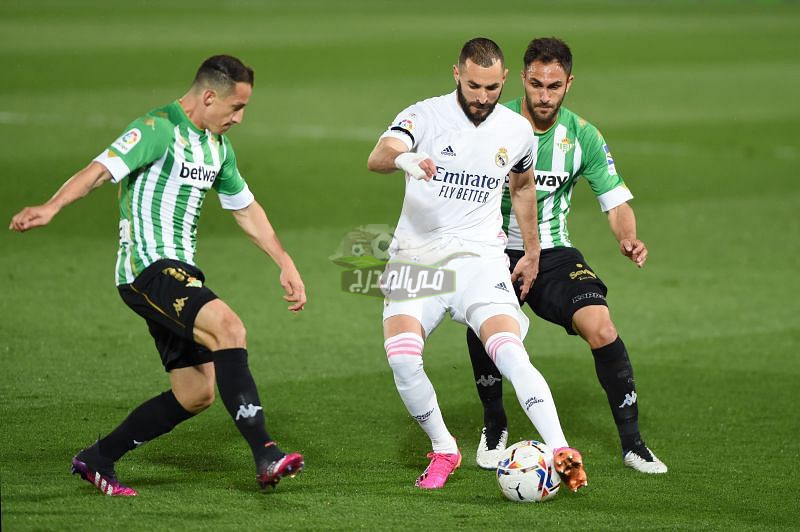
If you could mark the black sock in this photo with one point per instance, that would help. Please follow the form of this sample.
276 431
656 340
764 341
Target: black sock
148 421
615 373
240 396
489 382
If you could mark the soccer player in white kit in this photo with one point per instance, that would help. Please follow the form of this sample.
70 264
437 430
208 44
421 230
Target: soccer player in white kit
456 151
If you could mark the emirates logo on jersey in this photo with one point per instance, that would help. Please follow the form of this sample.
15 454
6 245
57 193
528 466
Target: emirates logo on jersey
565 145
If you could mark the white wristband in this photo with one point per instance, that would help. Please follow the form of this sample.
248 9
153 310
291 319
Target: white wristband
409 163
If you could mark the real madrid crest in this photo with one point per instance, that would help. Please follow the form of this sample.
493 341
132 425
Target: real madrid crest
501 159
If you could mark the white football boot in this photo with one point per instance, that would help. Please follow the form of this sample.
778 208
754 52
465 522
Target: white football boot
640 463
488 458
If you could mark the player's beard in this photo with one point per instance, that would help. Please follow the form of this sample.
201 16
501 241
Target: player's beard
484 110
546 119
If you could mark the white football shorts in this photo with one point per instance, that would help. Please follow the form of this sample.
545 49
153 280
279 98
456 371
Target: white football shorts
483 290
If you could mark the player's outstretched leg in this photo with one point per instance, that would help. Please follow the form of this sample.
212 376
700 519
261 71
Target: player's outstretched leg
533 393
404 353
240 396
151 419
489 382
615 373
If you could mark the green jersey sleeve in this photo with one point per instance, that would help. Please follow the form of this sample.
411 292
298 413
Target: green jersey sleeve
234 194
600 171
144 141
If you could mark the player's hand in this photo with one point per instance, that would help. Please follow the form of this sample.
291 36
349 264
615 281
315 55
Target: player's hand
293 286
31 217
634 249
527 269
417 165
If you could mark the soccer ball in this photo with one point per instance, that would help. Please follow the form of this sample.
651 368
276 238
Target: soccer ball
525 472
380 246
358 249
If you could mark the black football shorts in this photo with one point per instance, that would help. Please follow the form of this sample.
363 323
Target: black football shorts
168 294
564 285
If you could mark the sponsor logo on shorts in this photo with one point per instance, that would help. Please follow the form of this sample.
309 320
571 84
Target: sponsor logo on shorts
127 141
501 286
180 275
582 273
589 295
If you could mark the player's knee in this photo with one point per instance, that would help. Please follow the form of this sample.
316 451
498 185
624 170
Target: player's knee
197 399
601 335
203 399
404 353
230 332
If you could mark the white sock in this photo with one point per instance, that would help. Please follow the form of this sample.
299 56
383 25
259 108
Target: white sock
533 393
404 352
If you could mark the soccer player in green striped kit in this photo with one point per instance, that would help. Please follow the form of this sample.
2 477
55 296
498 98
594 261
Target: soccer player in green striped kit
165 162
567 292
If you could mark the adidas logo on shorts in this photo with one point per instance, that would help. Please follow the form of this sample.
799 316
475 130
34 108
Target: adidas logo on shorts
501 286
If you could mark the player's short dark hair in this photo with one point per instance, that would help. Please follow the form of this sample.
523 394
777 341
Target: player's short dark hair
481 51
547 50
223 71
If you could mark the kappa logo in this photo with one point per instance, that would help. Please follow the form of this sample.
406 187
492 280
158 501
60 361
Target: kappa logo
179 304
501 286
246 411
487 380
630 399
448 151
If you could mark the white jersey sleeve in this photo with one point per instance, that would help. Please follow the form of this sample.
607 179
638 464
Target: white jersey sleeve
409 126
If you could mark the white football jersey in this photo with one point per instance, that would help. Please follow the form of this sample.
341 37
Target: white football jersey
459 208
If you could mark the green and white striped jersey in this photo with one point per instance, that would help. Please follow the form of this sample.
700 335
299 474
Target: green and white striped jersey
165 166
571 148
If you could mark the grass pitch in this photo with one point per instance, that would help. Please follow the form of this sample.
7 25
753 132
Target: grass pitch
698 104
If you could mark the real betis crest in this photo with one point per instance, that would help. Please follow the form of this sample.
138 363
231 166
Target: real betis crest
565 145
501 159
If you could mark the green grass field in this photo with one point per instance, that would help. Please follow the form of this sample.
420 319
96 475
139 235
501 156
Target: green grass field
699 105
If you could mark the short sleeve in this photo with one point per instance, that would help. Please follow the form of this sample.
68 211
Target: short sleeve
408 126
529 151
600 171
234 194
144 141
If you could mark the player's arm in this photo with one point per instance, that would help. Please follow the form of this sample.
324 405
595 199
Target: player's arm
391 154
76 187
254 222
523 201
623 225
